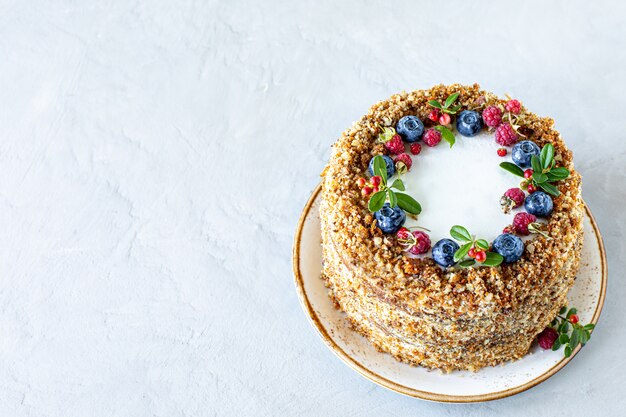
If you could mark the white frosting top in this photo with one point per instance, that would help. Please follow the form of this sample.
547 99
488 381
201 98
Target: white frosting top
461 185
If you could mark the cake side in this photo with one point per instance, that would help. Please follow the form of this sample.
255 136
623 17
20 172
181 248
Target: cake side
423 314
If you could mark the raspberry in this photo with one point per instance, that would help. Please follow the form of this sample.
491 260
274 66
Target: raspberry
513 106
403 233
405 159
432 137
502 152
521 222
444 119
547 337
505 135
434 115
513 198
422 243
395 145
416 148
492 116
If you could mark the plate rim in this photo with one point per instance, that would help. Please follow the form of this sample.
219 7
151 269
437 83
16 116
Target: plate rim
412 392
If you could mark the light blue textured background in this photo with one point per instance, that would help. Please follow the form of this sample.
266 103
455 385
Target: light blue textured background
155 157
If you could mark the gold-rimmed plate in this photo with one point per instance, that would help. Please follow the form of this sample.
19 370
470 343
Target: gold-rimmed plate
489 383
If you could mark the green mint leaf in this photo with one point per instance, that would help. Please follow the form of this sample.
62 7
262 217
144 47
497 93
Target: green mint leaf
547 155
446 134
393 199
539 177
556 345
574 339
408 204
535 163
460 254
567 351
435 103
466 263
380 167
460 233
550 189
398 184
557 174
512 168
493 259
589 326
483 244
451 99
571 312
377 201
584 337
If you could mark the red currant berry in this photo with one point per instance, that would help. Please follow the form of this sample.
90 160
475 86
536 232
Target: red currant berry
528 173
375 180
531 188
444 119
375 190
361 182
471 253
416 148
366 191
481 256
434 115
502 152
573 319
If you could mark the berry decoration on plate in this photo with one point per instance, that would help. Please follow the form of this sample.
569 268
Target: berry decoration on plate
432 137
415 148
539 203
543 173
521 222
443 252
502 151
512 198
469 123
403 163
416 242
505 135
476 249
509 246
513 106
569 331
445 110
389 219
492 116
410 128
391 168
523 152
379 165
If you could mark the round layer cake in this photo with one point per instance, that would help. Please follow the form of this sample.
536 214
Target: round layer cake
451 226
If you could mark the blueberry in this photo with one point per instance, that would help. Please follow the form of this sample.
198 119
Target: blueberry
391 168
443 252
390 219
469 123
509 246
410 128
539 204
523 152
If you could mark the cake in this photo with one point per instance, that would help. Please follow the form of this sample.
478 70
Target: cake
451 225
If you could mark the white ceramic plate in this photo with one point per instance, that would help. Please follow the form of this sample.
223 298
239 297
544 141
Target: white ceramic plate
461 386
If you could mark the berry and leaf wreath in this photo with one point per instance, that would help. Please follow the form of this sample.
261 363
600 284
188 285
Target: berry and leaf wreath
537 167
